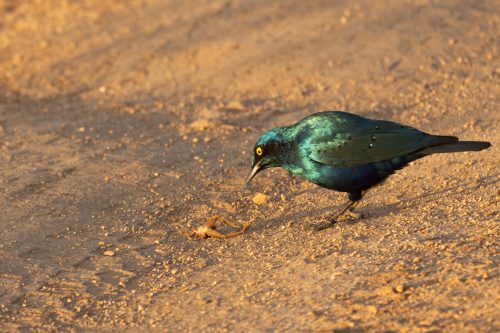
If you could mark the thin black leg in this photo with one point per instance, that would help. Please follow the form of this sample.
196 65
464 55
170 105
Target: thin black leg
354 198
334 218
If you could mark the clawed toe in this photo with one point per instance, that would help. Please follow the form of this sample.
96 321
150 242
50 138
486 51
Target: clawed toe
323 226
355 215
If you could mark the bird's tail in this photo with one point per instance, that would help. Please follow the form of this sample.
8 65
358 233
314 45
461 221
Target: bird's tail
450 144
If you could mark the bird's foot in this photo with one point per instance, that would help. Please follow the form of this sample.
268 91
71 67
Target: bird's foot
322 226
330 222
354 215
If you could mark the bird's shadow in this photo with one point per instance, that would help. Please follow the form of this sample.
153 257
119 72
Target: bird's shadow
371 211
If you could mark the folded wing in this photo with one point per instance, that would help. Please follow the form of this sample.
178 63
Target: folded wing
342 139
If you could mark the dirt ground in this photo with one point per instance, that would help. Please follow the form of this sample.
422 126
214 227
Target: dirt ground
123 123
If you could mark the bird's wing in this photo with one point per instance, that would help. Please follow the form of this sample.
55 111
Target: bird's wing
358 141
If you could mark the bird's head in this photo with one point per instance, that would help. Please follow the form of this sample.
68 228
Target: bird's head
267 152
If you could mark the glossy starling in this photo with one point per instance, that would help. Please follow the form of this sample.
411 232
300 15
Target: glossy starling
348 153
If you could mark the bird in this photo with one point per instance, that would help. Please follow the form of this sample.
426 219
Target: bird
349 153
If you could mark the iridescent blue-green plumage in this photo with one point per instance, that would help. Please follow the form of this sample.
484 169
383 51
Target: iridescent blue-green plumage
348 153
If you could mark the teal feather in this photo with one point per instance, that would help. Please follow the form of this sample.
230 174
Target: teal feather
349 153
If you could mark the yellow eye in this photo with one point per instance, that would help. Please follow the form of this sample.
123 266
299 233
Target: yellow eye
258 151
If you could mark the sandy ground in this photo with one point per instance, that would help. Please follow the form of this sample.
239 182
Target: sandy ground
123 123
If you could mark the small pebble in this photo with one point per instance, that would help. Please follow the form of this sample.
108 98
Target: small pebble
109 253
259 199
235 105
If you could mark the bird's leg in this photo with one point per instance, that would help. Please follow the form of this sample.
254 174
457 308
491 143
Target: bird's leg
351 213
354 198
335 217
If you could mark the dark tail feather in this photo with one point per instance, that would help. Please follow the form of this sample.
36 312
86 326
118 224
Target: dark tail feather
455 147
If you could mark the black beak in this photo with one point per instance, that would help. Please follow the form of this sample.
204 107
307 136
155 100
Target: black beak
255 170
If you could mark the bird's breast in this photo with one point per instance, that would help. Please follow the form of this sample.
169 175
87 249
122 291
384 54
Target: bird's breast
344 178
